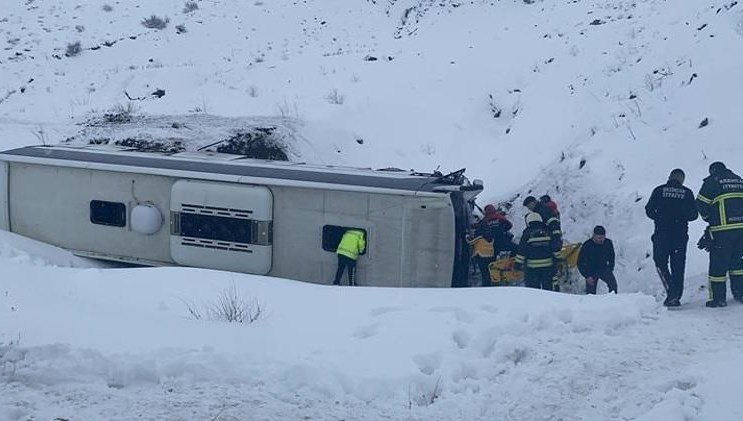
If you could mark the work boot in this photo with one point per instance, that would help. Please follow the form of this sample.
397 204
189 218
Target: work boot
673 302
718 298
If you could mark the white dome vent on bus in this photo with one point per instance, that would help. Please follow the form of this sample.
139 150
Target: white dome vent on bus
146 219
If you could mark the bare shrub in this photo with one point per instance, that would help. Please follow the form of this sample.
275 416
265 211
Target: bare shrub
230 306
181 29
73 49
120 113
155 22
335 97
10 355
288 110
495 110
190 6
258 142
107 8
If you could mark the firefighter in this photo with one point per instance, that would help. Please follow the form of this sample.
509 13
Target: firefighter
535 256
352 244
720 203
671 207
547 201
596 261
551 218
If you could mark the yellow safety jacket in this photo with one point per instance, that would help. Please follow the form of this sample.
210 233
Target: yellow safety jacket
481 247
352 244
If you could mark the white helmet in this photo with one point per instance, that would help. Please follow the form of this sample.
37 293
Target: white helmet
533 217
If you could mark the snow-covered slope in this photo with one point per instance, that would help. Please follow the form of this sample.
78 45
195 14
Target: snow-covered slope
593 102
597 101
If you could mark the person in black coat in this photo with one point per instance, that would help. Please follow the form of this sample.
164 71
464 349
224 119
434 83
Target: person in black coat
596 261
671 207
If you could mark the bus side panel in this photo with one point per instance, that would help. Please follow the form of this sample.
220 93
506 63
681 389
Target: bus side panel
428 237
300 216
54 205
4 216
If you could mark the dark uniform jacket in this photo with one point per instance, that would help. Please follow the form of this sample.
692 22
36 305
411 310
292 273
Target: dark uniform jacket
671 206
552 220
496 231
535 250
720 201
595 259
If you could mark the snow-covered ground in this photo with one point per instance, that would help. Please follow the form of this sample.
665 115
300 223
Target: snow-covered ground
593 102
121 344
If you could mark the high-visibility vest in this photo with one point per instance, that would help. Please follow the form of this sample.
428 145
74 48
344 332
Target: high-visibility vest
352 244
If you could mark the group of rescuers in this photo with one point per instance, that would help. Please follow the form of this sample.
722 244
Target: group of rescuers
671 207
539 251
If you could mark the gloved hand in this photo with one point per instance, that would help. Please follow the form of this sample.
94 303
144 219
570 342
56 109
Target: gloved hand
705 242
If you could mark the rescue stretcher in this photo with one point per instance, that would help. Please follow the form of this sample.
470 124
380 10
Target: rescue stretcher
503 273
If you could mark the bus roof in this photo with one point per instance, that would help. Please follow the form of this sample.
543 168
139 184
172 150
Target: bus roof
114 158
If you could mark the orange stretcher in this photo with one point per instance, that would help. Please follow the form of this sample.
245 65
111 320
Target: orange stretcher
503 273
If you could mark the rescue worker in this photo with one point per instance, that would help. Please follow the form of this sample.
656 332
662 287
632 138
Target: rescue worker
547 201
671 207
596 261
551 218
535 256
491 237
720 203
352 244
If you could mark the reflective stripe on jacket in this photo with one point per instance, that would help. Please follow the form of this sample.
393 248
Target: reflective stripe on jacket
352 244
720 201
535 250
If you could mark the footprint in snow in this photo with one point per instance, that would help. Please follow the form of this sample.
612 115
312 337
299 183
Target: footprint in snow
379 311
461 338
459 314
427 363
365 332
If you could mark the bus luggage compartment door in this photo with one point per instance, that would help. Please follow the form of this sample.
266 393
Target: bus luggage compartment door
221 226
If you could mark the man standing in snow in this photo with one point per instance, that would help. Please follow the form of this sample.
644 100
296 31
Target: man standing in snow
535 255
671 207
352 244
720 203
596 261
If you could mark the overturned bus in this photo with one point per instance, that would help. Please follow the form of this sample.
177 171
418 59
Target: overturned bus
229 212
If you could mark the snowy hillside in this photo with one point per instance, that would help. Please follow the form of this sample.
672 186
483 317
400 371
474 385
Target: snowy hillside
593 102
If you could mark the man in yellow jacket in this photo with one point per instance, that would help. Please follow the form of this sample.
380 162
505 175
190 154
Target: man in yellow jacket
352 244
